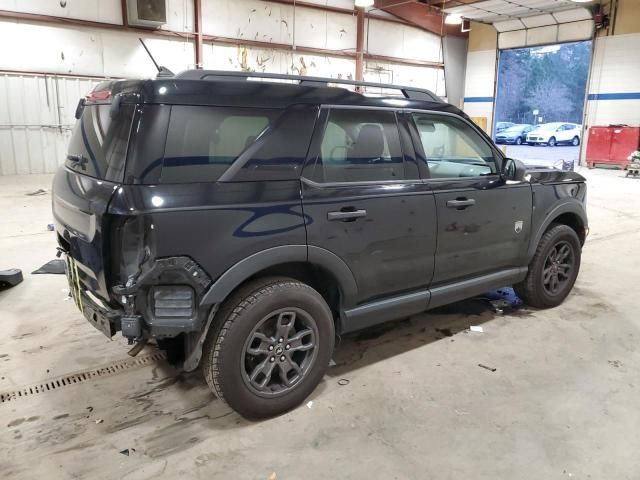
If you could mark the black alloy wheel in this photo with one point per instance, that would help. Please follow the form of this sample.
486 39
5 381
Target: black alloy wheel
558 268
279 351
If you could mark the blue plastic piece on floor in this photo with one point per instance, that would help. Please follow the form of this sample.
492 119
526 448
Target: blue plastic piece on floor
505 293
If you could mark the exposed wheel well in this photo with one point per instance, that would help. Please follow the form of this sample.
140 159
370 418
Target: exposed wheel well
314 276
574 221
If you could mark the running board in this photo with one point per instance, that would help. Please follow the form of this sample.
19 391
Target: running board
403 306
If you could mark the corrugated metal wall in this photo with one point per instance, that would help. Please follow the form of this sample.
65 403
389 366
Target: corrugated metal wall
36 118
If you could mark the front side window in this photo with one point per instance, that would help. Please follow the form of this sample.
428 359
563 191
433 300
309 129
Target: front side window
202 142
452 148
360 146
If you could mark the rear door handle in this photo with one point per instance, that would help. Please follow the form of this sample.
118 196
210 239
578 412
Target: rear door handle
346 215
461 203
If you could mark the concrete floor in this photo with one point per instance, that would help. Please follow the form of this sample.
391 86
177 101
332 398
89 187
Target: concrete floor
563 402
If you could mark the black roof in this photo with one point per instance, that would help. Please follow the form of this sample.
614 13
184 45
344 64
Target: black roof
203 87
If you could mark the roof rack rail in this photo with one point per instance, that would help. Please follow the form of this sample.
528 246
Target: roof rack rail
408 92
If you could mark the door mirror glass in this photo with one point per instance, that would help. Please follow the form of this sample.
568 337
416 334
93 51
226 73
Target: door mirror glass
513 169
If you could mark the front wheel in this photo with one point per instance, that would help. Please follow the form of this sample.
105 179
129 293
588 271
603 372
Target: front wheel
519 141
553 269
552 142
271 347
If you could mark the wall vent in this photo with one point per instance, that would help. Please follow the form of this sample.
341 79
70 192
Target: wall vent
147 13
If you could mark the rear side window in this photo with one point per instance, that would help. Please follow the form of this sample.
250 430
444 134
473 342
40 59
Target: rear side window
98 145
360 146
202 142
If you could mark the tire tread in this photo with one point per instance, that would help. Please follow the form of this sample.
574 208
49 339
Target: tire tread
232 309
529 290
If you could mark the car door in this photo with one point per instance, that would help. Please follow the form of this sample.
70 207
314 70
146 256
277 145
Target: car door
483 222
563 132
365 203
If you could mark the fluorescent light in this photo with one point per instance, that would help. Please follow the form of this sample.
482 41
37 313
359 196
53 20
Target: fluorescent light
364 3
453 19
582 1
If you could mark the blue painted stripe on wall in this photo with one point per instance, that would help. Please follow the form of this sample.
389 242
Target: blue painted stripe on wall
615 96
478 99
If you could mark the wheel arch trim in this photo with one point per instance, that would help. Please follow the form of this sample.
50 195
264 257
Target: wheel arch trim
271 257
574 208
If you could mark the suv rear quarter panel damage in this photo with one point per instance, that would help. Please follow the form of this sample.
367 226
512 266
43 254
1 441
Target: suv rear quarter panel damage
217 224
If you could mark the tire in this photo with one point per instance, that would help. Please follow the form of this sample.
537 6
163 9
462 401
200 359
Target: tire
533 290
228 361
552 142
518 141
576 141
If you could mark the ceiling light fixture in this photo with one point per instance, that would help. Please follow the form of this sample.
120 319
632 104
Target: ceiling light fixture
364 3
453 19
582 1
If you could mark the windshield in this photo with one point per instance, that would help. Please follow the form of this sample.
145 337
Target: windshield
515 129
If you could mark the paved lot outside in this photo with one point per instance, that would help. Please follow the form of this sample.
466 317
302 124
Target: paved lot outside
542 155
405 401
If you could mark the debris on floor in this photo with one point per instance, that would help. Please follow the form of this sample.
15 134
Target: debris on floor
615 363
476 328
10 278
56 266
445 331
40 191
491 369
273 476
503 299
309 404
51 227
343 382
127 451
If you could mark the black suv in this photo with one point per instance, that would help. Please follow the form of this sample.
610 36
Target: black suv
243 220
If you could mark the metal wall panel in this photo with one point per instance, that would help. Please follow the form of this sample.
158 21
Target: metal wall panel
36 118
614 87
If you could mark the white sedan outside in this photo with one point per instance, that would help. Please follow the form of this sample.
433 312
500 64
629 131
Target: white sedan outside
555 133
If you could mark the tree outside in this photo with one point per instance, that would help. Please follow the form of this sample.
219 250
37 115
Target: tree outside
550 79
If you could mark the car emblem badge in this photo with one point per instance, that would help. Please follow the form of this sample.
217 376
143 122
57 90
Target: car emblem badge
518 226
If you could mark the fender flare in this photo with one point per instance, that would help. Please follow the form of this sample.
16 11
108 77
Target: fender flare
574 207
271 257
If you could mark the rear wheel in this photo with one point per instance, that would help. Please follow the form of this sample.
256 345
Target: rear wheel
271 348
553 269
576 141
552 142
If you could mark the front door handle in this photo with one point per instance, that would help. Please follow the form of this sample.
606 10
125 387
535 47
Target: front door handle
346 215
461 203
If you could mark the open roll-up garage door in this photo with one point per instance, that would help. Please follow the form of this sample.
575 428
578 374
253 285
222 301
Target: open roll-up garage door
526 23
547 28
542 71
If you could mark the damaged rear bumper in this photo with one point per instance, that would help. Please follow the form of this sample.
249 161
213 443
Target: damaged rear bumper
163 300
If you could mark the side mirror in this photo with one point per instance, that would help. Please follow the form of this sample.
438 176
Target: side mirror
513 169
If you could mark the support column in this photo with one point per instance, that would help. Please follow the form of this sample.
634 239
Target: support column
197 10
125 13
360 45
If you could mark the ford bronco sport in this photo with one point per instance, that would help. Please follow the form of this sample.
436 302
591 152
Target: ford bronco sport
243 220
